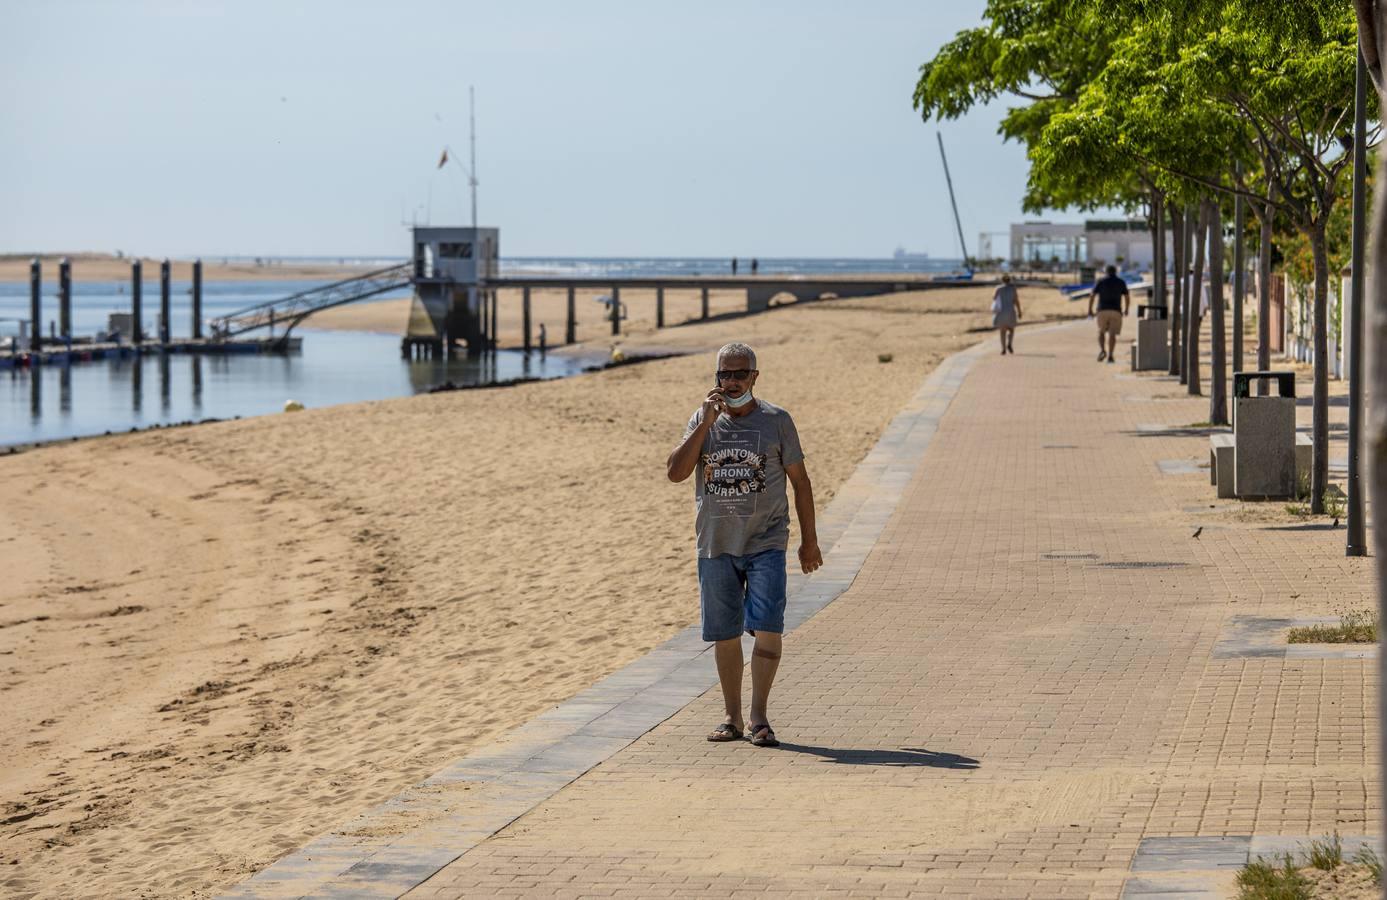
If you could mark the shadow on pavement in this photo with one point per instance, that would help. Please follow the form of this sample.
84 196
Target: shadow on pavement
1176 431
906 756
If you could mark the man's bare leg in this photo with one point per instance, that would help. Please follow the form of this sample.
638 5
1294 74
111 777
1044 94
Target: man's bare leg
1112 345
729 658
765 659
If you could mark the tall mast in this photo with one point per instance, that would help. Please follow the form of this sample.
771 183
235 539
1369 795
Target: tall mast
472 174
952 202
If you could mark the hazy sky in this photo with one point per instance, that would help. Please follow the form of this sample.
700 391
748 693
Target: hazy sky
604 129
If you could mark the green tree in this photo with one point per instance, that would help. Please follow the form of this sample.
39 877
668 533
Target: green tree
1040 53
1277 85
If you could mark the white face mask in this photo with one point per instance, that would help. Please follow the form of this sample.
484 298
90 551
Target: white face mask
738 402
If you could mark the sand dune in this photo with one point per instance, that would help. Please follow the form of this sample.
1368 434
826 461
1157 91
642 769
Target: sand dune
218 642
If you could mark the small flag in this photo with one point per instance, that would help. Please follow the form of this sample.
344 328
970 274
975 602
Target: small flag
443 160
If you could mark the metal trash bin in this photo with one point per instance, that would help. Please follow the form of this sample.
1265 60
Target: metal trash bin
1152 347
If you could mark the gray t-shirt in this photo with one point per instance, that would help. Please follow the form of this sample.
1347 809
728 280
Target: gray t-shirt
739 483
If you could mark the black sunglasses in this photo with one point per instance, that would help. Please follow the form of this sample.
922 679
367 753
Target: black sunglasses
734 374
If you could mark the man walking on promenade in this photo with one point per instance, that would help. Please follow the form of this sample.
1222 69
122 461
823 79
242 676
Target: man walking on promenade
1113 302
743 450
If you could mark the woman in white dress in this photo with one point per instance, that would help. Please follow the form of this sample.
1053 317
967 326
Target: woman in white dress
1006 311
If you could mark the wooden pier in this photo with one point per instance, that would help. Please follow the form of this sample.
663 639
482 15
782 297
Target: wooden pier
459 296
761 291
60 353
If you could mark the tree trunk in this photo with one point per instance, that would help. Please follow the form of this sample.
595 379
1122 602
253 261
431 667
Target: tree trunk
1190 222
1375 390
1264 296
1239 276
1201 231
1319 433
1177 228
1218 378
1372 28
1157 249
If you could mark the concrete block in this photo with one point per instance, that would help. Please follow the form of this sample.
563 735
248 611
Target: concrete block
1264 441
1152 348
1221 464
1304 454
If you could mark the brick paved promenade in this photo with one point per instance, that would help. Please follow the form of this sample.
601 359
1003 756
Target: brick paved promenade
1036 681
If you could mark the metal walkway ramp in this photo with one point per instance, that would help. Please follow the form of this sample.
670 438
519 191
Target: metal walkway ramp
290 311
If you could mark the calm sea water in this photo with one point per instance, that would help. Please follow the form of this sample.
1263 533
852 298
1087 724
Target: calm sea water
61 401
652 266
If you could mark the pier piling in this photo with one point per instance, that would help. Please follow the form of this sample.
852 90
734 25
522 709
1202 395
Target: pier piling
197 299
659 307
477 299
616 310
525 306
164 302
493 318
65 299
705 303
136 303
137 381
35 304
570 330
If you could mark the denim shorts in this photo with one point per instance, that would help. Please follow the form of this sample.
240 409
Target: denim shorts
742 592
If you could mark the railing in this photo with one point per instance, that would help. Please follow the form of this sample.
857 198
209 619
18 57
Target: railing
289 311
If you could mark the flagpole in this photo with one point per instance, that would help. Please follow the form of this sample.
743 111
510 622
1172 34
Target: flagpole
472 175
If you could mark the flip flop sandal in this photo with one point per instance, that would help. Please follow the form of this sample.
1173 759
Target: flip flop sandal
724 733
757 740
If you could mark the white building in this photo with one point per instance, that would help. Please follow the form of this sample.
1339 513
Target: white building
458 255
1095 242
451 268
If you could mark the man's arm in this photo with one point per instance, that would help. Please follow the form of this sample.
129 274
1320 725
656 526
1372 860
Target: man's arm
1092 295
683 458
1126 302
809 556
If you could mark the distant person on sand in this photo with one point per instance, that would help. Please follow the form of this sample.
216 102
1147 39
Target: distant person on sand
734 265
1113 302
743 450
1006 311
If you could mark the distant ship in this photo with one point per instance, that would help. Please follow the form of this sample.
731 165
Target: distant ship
902 253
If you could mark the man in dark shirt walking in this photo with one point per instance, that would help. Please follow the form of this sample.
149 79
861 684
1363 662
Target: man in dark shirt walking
1113 302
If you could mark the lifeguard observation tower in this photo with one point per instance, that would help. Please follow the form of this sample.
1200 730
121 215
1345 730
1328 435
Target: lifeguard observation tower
452 301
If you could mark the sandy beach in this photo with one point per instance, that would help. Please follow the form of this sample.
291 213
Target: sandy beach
218 642
105 267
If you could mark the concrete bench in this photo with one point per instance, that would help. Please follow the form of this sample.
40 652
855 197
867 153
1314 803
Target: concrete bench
1221 464
1221 450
